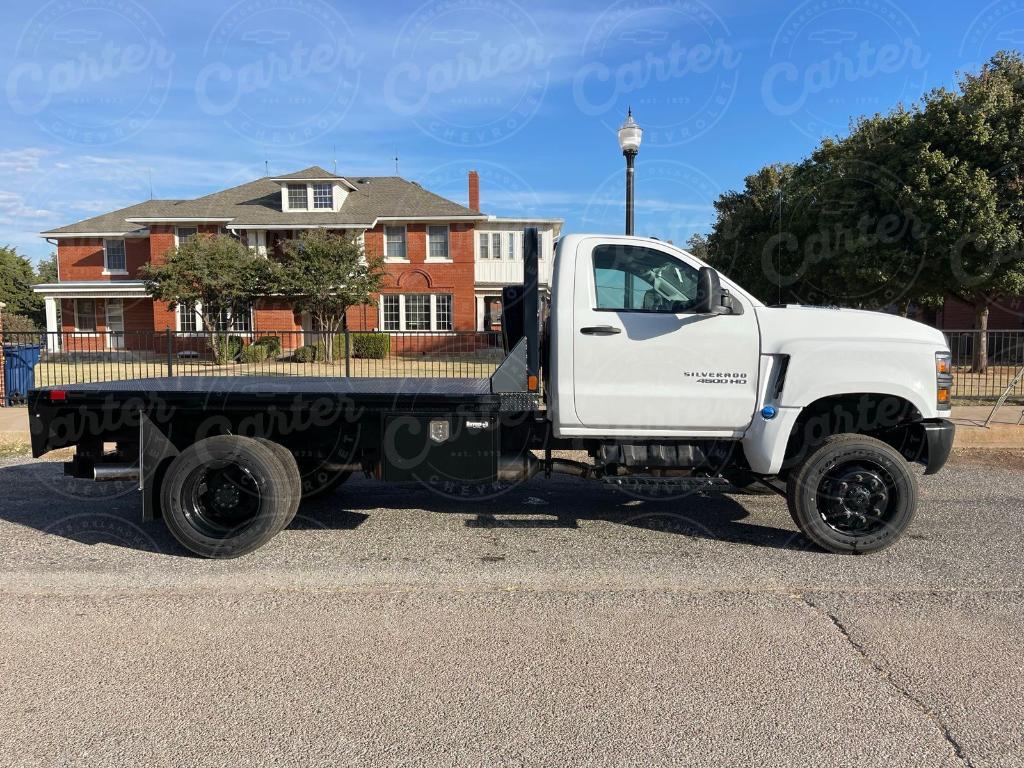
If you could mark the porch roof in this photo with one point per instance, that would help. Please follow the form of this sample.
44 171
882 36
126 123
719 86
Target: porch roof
93 289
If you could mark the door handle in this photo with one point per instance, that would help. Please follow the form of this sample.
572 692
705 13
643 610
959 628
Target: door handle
600 330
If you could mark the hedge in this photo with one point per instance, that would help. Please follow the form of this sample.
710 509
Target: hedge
254 353
305 354
370 345
272 344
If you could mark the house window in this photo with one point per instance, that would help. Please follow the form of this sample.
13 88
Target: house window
485 240
239 322
437 242
323 196
189 320
394 242
185 234
113 256
512 237
496 245
297 199
392 309
443 311
85 315
416 312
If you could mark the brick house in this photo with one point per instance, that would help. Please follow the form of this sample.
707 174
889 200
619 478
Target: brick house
428 243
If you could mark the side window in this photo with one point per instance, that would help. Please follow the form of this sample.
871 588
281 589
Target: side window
638 279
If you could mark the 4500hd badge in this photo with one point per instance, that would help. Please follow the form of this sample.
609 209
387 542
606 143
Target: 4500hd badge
711 377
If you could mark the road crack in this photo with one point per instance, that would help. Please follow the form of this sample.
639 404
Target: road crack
889 678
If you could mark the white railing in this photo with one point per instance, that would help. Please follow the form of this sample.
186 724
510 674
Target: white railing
508 272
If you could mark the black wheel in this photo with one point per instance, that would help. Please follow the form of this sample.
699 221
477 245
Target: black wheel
852 494
291 467
225 496
321 478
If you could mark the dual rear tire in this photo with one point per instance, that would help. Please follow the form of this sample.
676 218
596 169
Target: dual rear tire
227 496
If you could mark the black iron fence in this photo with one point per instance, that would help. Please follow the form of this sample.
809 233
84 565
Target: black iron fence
53 359
976 380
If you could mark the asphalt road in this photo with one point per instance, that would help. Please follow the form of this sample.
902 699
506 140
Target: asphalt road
574 626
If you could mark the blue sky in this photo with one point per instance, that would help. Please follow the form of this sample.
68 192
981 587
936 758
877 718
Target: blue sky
104 98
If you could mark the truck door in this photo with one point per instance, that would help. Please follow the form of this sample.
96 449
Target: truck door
642 360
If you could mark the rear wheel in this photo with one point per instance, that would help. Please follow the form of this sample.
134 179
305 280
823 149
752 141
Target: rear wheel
853 493
291 468
226 496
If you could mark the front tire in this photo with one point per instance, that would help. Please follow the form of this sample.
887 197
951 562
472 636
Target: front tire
853 493
225 496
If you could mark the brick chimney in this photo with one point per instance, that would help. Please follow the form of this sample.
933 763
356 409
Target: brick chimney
474 191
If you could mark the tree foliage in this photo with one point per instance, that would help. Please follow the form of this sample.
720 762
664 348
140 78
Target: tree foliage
908 208
16 279
325 273
217 275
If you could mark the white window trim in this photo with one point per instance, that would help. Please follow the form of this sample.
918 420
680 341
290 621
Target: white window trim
478 252
199 321
177 240
437 259
396 259
95 332
311 195
434 330
107 270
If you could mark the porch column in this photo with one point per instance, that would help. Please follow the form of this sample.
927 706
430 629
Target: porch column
52 329
480 311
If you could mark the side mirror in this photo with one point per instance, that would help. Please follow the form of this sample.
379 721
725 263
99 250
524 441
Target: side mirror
709 294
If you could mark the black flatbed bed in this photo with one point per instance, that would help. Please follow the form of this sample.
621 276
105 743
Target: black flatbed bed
241 388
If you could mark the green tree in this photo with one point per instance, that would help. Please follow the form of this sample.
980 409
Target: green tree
327 272
16 279
215 274
697 244
46 272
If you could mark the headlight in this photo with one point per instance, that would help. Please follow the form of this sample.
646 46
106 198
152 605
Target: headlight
943 378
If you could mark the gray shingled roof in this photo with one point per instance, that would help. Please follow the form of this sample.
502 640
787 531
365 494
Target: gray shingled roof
258 204
115 220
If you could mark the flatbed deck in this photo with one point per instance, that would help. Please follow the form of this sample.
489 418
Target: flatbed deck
285 385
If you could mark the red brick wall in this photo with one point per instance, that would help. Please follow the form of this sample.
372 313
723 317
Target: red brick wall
82 258
1004 315
275 315
420 276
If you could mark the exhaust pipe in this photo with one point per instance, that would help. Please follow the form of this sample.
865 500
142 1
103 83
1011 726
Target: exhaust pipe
108 472
516 468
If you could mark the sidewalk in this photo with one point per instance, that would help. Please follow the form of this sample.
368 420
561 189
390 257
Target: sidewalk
1003 432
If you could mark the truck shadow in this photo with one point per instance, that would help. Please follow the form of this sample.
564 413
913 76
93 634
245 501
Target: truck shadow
564 503
37 496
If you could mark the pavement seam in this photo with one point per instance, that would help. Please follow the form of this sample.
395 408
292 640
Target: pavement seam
886 675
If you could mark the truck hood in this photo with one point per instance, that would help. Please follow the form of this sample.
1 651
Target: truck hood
782 326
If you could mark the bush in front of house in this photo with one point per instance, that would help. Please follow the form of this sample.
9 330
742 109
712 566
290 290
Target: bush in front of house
229 349
15 325
254 353
376 346
271 343
305 354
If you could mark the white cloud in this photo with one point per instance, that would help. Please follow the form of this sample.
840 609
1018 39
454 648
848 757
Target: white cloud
22 160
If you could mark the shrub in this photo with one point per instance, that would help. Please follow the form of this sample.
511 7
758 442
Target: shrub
254 353
370 345
272 343
306 354
19 324
229 349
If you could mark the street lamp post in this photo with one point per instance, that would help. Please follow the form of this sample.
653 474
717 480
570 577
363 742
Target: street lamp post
630 135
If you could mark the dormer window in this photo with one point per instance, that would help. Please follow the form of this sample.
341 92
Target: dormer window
323 196
297 199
